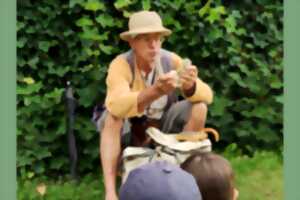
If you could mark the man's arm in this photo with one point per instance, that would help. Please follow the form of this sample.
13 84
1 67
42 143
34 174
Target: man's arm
110 147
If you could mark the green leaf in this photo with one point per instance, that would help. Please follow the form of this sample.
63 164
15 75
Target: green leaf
106 49
33 61
238 79
84 21
39 167
244 68
215 14
279 99
87 68
205 8
42 153
219 105
122 3
87 95
254 84
55 94
243 133
44 45
265 133
241 32
230 24
127 14
232 150
20 25
59 70
30 175
276 83
61 127
105 20
57 163
24 160
72 3
21 62
94 6
146 4
29 89
30 30
215 33
28 80
21 42
91 34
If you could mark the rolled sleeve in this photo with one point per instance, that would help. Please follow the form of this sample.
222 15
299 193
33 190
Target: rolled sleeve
202 93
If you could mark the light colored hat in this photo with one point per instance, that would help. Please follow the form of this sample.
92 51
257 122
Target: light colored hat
144 22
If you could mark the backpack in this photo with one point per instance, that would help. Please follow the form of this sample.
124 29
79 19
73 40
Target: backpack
174 148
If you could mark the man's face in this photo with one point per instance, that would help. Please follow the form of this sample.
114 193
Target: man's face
147 46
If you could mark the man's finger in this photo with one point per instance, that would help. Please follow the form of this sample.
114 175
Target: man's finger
187 77
193 69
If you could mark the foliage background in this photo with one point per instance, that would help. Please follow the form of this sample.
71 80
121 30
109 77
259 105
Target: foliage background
237 46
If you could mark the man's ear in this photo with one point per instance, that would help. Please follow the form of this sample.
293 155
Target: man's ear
131 42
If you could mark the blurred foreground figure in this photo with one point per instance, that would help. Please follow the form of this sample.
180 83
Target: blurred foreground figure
160 181
214 176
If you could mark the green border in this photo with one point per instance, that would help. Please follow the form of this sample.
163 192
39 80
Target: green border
8 100
292 99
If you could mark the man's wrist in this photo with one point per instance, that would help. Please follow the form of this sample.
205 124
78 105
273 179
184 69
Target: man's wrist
158 90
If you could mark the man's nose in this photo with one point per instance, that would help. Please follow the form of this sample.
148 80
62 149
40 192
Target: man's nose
153 43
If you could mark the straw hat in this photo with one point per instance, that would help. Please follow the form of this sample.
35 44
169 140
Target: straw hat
144 22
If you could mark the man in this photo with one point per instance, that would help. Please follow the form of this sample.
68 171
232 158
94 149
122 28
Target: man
141 84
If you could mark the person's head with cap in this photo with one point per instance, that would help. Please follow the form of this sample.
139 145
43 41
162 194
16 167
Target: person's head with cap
145 34
214 176
159 181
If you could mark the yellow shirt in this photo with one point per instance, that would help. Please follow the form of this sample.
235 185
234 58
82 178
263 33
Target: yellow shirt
121 100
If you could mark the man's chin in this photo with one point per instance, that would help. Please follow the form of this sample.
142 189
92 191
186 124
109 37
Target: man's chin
152 58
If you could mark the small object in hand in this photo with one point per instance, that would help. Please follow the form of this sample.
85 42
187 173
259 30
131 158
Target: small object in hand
185 64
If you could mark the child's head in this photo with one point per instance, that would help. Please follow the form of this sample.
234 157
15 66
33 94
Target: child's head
160 181
213 174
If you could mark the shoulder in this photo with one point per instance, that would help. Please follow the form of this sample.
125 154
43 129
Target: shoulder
119 66
119 60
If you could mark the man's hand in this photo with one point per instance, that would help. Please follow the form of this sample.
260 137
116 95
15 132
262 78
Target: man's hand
188 78
167 83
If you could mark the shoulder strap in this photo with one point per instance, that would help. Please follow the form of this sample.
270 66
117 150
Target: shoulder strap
166 61
129 58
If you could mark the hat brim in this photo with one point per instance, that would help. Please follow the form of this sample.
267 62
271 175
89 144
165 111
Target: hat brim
126 35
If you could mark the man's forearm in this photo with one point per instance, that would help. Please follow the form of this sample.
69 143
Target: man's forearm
147 96
110 150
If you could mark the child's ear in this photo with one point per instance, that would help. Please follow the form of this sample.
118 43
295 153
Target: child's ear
235 194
